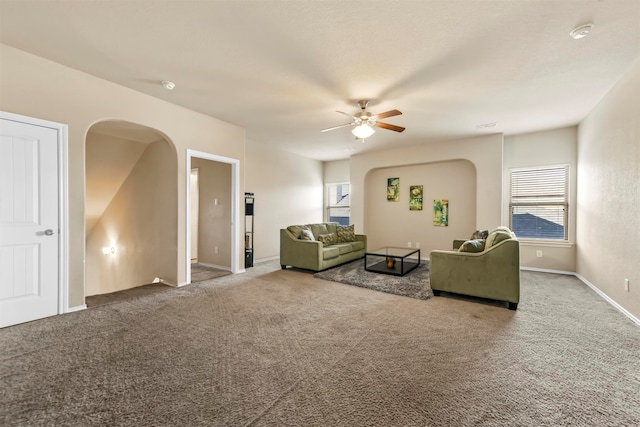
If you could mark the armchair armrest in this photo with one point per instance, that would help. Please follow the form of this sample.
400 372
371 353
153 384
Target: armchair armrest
457 244
493 273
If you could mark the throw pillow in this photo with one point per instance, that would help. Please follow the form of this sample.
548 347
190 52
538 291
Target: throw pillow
479 234
475 245
497 236
306 235
327 239
346 233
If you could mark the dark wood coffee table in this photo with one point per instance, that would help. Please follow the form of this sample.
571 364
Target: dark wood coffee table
392 260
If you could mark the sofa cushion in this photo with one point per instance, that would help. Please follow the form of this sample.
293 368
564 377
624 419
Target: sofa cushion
297 229
474 245
344 248
346 233
497 236
306 235
318 229
329 252
327 239
331 227
357 246
479 234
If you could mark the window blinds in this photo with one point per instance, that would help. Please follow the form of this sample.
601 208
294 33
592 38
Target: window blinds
539 202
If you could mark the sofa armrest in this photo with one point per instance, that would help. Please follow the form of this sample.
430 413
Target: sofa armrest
299 253
362 238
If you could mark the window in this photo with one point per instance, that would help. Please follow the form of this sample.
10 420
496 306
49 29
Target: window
539 202
338 203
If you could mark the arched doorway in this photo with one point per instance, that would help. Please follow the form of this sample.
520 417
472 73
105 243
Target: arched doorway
130 207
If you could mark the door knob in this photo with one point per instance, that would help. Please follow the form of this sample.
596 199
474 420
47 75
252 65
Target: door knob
48 232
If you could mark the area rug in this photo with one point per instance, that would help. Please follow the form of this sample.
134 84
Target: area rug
414 284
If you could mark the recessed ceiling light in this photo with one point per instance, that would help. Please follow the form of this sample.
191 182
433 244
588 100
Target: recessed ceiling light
168 85
581 31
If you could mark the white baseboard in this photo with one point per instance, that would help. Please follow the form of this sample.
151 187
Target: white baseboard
258 261
633 318
77 308
593 287
546 270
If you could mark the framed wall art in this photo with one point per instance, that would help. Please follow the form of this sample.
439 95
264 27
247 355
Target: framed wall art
441 213
393 189
415 198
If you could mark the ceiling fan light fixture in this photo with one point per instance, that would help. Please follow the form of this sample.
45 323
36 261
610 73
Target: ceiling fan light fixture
363 131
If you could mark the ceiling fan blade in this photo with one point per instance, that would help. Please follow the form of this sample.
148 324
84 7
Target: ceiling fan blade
342 112
337 127
387 114
388 126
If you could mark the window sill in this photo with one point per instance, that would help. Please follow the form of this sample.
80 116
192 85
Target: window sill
547 243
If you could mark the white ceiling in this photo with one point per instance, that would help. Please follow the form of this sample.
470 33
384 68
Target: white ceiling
280 69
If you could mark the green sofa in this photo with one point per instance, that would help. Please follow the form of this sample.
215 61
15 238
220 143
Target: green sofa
332 245
486 269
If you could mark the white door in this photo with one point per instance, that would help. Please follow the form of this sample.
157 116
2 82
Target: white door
29 223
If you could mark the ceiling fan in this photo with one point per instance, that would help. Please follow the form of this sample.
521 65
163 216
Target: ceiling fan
364 121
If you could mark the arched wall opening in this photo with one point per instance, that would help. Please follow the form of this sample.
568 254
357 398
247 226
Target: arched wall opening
131 205
392 223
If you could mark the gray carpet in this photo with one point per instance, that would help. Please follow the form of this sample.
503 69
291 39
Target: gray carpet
275 347
113 297
200 272
414 284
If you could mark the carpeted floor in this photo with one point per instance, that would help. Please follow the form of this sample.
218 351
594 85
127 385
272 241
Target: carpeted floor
200 272
278 347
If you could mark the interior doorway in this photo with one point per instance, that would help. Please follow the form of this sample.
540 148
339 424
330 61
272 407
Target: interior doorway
218 211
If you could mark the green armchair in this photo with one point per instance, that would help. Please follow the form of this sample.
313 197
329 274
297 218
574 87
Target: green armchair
492 273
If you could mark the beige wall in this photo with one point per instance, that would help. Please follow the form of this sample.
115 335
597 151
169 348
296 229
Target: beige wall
288 190
336 171
608 223
141 223
552 147
109 161
393 224
35 87
484 153
214 225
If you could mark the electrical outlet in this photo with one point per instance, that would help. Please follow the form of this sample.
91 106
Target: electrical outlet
626 285
539 254
408 244
417 245
215 249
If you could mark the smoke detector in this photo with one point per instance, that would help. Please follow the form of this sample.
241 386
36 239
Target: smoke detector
168 85
581 31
